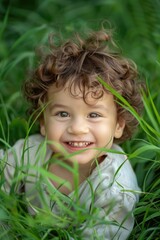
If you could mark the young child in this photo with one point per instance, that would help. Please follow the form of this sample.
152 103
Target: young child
81 119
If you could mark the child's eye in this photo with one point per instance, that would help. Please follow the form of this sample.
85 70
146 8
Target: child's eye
62 114
94 115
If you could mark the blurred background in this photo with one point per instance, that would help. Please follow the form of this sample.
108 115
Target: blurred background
25 25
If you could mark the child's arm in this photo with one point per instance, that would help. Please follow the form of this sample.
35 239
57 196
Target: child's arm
114 220
16 163
116 193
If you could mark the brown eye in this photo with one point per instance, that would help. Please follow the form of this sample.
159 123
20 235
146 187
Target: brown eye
94 115
62 114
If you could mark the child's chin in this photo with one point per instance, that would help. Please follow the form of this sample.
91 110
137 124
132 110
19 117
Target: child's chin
81 159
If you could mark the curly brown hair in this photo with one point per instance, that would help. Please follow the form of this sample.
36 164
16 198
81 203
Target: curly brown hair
78 62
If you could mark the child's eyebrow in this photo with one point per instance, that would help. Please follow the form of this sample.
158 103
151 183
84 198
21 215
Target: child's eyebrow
94 107
52 106
99 106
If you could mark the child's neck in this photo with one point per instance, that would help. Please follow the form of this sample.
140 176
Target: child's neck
67 177
77 175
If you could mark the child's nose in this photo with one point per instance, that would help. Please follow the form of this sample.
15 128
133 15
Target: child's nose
78 126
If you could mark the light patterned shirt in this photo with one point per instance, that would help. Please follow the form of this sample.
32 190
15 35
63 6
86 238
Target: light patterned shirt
111 189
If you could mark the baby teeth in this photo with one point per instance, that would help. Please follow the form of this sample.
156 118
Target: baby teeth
79 144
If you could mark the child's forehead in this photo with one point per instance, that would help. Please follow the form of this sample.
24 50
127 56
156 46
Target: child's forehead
89 95
78 86
75 90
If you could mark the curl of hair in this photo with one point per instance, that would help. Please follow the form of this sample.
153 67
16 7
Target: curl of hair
78 62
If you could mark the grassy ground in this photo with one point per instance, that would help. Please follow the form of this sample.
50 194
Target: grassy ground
24 26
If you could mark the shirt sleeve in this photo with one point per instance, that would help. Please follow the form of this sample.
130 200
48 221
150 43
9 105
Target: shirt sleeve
10 162
19 163
113 218
115 196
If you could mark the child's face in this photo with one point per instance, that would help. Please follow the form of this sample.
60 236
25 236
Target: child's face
76 125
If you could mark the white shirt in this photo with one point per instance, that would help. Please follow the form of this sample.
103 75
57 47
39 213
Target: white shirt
113 183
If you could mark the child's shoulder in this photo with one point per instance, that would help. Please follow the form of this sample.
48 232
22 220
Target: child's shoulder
33 145
115 178
35 139
29 141
24 148
122 168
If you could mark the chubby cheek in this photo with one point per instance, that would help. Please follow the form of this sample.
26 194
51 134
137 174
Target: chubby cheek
55 132
104 136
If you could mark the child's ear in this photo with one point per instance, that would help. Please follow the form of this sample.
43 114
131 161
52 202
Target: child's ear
42 127
119 128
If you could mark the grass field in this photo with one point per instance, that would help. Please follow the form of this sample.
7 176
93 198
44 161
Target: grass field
23 27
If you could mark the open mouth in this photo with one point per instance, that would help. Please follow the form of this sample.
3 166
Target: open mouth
78 144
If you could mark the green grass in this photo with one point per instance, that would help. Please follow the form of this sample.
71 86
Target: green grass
22 29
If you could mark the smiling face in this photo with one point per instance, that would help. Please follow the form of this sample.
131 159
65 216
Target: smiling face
76 125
